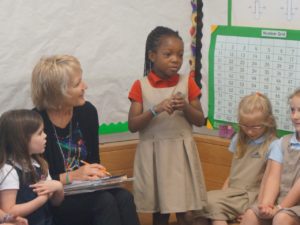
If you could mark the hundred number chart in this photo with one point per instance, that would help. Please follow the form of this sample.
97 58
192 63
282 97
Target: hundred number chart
244 60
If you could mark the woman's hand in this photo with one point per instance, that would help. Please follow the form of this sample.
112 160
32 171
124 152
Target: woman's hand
89 172
47 187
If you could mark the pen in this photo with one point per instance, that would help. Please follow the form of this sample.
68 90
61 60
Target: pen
103 170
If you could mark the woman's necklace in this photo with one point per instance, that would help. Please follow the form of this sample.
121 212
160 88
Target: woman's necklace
68 161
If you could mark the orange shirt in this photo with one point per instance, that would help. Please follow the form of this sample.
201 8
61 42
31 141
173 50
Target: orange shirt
135 93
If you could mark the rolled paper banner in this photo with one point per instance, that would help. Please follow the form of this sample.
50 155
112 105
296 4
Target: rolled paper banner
194 19
192 63
193 42
193 31
192 73
194 5
193 48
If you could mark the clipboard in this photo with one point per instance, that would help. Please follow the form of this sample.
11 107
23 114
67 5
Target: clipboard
79 187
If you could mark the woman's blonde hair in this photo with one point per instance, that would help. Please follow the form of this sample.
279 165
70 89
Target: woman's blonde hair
50 80
248 105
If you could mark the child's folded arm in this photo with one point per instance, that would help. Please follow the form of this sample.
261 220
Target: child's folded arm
8 203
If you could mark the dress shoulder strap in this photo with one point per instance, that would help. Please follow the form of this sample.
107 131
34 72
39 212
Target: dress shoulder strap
6 175
286 142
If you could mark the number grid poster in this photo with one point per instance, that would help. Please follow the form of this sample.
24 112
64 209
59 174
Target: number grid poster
243 60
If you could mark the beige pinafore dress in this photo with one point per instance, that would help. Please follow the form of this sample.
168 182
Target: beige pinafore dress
167 169
290 173
244 181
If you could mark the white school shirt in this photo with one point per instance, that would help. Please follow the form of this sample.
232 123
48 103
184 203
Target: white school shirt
11 181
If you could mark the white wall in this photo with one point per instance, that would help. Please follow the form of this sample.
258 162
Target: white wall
108 37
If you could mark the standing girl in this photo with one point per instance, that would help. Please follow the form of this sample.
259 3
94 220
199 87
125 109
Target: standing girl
164 105
249 146
27 186
280 200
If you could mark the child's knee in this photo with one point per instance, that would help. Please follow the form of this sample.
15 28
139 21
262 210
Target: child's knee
284 218
249 217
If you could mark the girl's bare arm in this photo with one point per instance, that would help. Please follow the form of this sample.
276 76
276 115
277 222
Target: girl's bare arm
53 188
138 119
194 113
271 185
262 185
8 203
293 197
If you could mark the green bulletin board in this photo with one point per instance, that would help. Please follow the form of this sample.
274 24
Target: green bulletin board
243 60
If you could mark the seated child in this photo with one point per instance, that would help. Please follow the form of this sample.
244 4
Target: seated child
257 129
26 187
279 201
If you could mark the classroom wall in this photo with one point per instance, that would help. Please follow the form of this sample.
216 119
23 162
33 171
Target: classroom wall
268 30
214 12
108 37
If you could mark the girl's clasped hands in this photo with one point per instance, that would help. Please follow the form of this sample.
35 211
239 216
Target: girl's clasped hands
267 211
176 102
46 187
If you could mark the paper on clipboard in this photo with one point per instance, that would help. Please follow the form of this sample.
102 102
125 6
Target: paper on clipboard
78 187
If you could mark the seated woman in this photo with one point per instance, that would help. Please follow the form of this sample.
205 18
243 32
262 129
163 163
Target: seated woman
71 124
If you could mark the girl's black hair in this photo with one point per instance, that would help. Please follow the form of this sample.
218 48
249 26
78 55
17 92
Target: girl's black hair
153 41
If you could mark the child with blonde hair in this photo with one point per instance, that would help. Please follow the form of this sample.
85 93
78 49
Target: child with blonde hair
279 203
257 130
